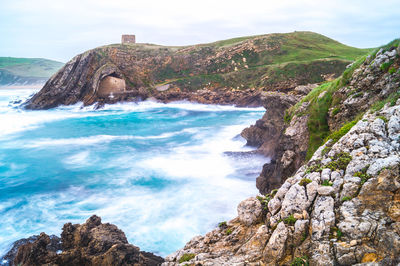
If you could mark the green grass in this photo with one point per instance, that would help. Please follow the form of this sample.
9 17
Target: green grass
305 181
290 220
346 199
186 257
300 261
29 67
327 183
299 56
335 136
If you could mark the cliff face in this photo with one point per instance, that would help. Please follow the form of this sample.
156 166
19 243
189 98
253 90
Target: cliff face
341 208
226 72
302 127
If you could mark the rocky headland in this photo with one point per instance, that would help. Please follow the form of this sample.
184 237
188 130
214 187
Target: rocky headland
233 71
329 196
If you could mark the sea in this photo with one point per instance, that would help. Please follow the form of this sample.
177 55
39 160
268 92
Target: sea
162 173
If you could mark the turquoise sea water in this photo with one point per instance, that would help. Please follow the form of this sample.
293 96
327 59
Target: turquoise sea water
159 172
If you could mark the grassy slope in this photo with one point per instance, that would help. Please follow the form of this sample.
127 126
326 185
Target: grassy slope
29 67
320 105
296 56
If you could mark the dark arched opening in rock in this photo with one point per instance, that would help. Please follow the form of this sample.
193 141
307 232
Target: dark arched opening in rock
111 85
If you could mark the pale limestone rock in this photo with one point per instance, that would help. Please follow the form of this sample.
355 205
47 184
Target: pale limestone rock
249 211
326 174
276 244
322 217
325 190
381 163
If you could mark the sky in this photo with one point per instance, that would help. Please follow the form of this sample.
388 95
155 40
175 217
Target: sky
60 29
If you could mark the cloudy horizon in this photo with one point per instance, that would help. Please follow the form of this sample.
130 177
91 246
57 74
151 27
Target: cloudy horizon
59 30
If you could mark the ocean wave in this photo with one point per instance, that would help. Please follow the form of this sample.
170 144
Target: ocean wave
184 105
97 139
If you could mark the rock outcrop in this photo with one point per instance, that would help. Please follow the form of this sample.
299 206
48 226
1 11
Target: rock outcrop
341 208
284 131
92 243
286 144
227 72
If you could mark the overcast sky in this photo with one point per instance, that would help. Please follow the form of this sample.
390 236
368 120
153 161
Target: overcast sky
60 29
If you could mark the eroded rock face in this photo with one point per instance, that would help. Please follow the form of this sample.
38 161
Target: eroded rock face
327 213
92 243
209 73
285 144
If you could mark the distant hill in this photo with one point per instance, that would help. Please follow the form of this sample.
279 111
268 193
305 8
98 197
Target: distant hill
26 71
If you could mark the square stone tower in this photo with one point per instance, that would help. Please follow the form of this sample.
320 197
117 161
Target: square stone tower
126 38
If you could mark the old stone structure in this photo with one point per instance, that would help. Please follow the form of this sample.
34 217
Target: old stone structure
128 38
111 85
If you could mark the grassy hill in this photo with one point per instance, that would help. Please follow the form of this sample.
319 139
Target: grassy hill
26 70
271 60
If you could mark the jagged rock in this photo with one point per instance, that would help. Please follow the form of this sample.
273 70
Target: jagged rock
325 190
249 211
322 217
276 245
320 222
53 245
92 243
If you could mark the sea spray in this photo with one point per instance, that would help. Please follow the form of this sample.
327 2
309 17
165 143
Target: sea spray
158 171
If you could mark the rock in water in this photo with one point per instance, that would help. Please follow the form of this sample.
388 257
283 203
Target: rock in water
92 243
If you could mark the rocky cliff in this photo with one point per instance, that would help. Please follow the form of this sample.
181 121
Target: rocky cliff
341 208
226 72
92 243
335 152
290 133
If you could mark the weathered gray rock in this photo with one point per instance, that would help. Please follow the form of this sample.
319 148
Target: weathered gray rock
249 211
276 244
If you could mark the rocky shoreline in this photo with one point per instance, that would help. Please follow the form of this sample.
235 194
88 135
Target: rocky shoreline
92 243
330 195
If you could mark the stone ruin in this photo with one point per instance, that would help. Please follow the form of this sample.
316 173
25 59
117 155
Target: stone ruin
126 38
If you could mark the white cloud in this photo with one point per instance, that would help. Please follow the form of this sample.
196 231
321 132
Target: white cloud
60 29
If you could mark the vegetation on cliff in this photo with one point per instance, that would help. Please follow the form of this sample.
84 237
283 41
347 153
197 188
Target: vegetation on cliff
26 70
325 102
272 62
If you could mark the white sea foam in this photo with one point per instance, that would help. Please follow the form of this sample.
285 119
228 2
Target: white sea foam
184 105
204 187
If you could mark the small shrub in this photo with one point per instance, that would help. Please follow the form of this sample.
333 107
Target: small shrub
358 95
287 117
228 231
264 201
339 161
305 181
304 236
222 224
383 118
300 261
363 175
290 220
186 257
335 233
273 192
385 66
335 136
346 199
392 70
327 183
326 149
335 111
314 168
